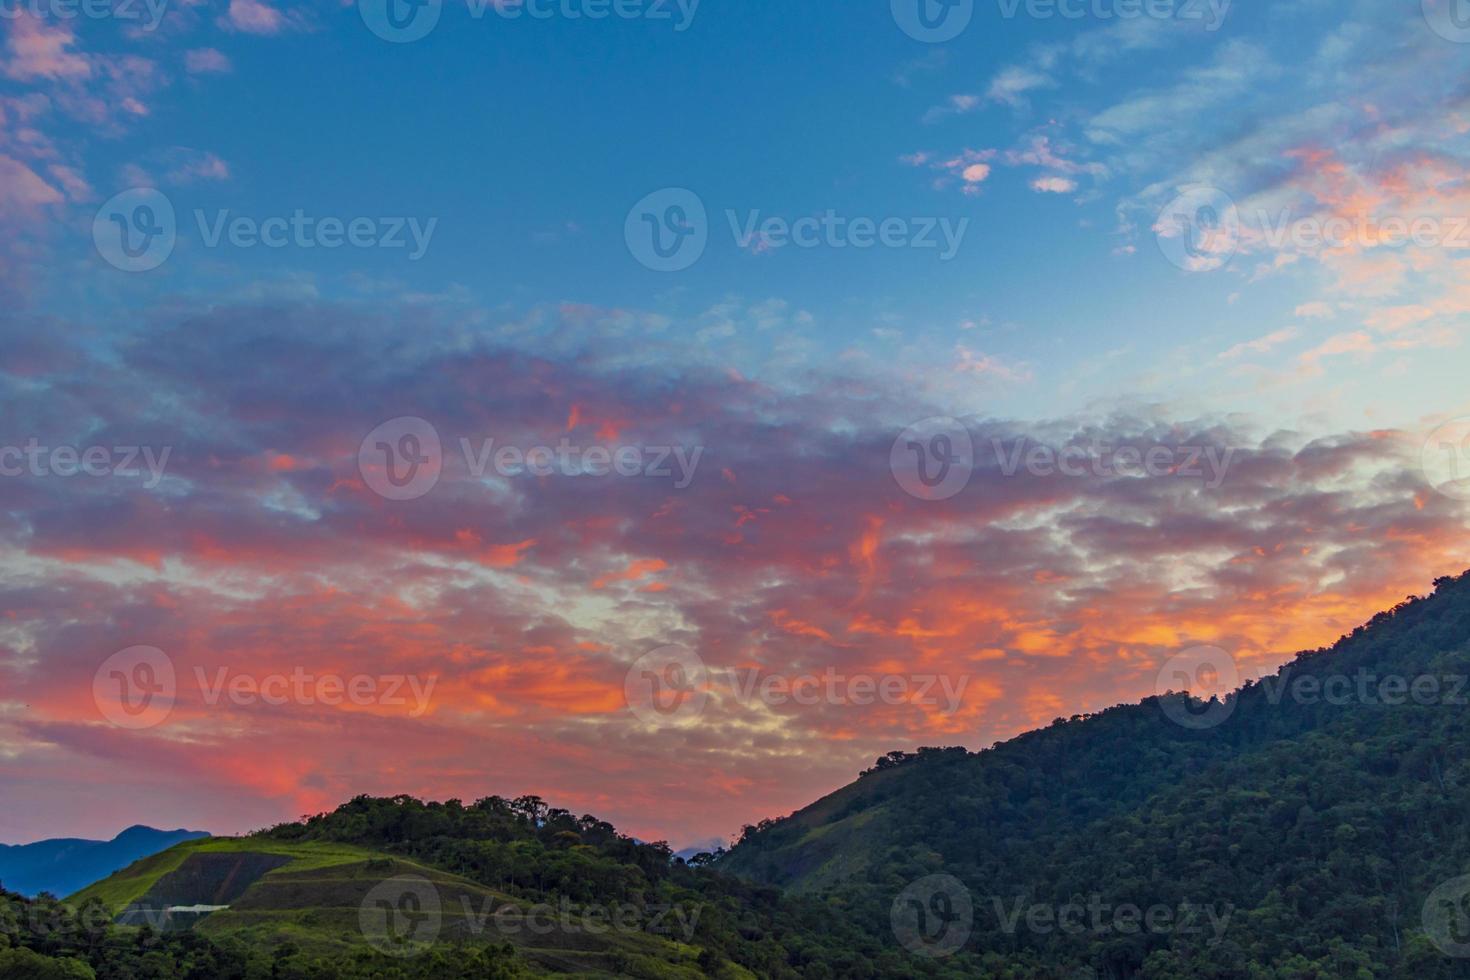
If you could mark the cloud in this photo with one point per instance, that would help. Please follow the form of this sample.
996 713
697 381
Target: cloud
793 550
1010 85
186 166
39 50
1054 185
256 17
1260 345
201 61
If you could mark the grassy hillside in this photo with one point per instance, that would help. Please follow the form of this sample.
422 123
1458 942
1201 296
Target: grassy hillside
312 905
130 884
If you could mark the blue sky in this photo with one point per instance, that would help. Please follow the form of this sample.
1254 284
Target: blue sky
527 141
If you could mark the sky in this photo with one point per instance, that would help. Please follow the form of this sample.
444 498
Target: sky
908 373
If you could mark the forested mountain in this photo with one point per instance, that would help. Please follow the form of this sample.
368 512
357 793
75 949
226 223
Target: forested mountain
1314 825
1318 809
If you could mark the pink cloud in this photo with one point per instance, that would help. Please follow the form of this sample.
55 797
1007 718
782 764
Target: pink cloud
202 61
41 50
1054 185
22 189
255 17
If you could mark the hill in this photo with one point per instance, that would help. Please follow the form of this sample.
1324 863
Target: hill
399 888
1315 812
62 866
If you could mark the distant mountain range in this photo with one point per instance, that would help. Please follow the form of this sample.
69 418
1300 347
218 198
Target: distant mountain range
66 865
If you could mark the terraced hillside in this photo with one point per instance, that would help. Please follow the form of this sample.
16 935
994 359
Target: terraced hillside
328 900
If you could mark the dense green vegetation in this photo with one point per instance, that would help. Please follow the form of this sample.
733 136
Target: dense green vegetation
1319 819
1297 839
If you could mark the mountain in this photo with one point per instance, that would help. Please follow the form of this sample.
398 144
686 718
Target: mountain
1319 809
63 865
1315 824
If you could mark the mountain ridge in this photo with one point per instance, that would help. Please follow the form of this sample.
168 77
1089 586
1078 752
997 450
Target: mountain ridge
63 865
